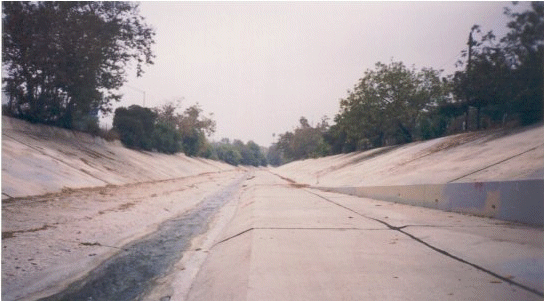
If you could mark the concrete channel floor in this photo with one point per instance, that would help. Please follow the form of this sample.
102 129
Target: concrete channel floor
289 242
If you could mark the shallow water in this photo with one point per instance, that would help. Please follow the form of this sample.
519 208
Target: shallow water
131 273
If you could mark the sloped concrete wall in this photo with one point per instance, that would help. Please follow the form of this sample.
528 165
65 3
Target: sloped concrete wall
38 159
518 200
497 173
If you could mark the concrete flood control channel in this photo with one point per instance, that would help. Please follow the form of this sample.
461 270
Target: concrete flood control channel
130 274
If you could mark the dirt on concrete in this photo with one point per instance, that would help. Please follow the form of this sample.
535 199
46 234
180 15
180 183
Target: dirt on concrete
51 240
130 274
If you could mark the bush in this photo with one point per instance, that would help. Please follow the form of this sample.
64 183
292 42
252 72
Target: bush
135 126
166 139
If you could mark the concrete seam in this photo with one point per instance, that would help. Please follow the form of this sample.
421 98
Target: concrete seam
294 228
497 163
440 251
446 226
231 237
317 228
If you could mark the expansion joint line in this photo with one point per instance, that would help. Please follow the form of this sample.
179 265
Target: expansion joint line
231 237
497 163
291 228
443 252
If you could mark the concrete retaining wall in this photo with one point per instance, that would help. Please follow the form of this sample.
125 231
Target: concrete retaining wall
519 200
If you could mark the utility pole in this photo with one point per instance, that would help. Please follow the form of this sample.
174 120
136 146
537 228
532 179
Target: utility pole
469 75
476 102
470 43
139 90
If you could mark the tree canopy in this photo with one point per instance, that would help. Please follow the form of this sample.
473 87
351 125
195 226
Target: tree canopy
387 105
135 126
165 129
66 60
238 153
304 142
502 82
191 127
505 79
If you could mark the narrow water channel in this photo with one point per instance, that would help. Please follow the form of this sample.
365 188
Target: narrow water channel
130 274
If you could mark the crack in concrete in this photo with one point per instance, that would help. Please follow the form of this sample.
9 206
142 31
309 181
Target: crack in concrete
440 251
453 226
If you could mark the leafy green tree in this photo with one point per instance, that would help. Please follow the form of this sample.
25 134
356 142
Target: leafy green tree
136 126
252 155
226 152
191 127
166 139
232 156
337 139
524 46
386 105
66 60
250 152
486 83
506 78
237 153
274 156
194 128
305 141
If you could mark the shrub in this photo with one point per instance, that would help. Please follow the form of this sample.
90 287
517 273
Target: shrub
135 126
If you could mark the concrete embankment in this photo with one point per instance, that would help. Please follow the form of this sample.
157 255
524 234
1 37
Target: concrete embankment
39 159
497 174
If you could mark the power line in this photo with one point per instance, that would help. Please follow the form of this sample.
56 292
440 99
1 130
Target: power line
139 90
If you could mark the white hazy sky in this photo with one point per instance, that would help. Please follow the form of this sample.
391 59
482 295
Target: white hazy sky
260 66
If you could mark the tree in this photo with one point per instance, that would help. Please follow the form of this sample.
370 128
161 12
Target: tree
524 47
252 155
249 154
65 60
304 142
273 155
387 105
505 78
231 156
191 127
194 128
166 139
226 152
136 126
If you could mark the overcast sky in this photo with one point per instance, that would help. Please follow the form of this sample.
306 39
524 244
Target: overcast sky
260 66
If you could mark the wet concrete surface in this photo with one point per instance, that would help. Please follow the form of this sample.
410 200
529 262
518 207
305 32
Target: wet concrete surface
130 274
